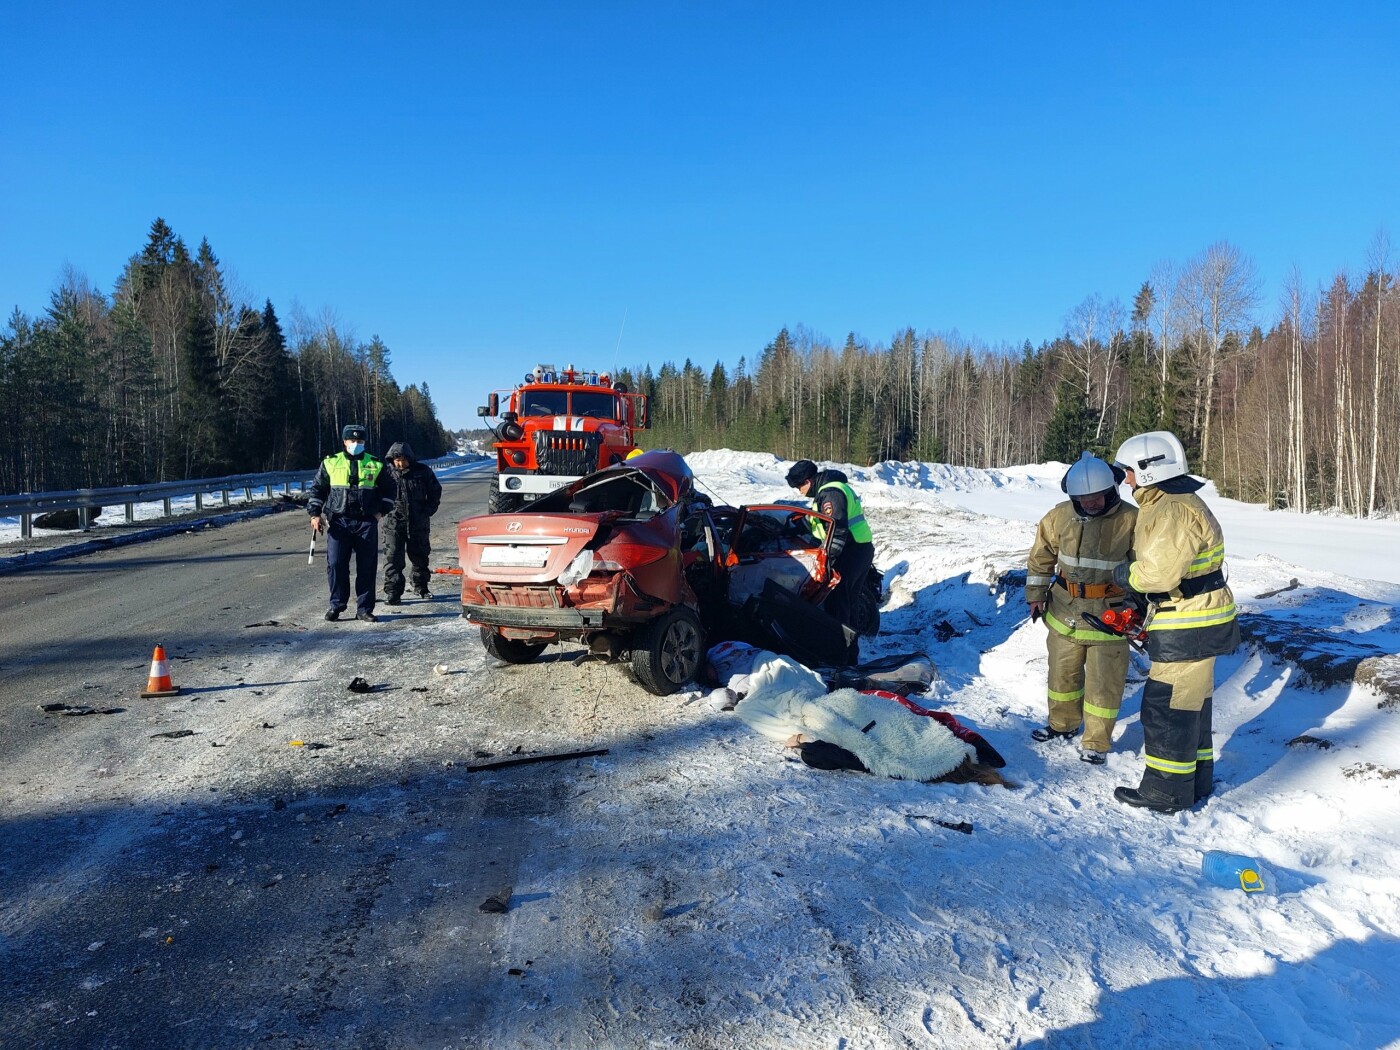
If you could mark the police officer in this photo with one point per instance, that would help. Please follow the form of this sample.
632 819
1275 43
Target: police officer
352 491
1069 574
406 531
1178 569
852 550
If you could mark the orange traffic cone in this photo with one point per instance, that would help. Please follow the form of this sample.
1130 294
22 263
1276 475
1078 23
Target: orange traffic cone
159 683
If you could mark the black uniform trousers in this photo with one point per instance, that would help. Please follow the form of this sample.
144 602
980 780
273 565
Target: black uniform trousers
853 563
405 537
346 537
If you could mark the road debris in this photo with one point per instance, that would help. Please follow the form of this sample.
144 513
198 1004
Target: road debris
528 759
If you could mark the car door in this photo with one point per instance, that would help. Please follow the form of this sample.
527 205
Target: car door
774 541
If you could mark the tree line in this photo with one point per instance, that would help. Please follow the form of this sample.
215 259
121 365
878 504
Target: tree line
1291 415
174 376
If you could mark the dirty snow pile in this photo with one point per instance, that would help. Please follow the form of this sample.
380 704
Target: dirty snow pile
798 907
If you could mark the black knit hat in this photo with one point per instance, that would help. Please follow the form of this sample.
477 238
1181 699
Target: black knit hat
801 472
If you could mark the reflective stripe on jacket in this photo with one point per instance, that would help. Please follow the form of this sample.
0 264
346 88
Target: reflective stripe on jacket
331 493
1082 550
855 514
1179 539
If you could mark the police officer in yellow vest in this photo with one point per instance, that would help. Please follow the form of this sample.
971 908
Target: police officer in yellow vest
352 491
1069 573
1178 569
852 549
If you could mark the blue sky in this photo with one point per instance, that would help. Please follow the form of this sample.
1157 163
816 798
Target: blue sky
490 185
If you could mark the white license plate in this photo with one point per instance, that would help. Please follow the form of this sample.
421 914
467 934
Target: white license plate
528 557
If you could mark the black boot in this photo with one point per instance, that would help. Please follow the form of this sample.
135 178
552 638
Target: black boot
1147 800
1050 733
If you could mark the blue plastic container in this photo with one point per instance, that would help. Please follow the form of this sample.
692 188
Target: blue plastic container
1232 871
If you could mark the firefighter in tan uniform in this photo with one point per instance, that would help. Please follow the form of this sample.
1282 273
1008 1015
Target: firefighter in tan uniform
1069 573
1178 569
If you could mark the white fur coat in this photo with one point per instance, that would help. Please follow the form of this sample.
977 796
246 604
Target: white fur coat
786 698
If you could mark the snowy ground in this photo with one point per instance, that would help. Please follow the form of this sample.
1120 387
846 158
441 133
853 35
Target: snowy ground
1065 919
699 887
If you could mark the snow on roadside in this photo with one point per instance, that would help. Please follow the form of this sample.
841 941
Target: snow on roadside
1065 918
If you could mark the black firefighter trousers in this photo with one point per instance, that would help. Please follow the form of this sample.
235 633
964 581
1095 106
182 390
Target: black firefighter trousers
1176 731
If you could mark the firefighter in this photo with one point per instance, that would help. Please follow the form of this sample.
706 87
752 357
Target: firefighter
1178 569
406 530
351 492
851 552
1077 546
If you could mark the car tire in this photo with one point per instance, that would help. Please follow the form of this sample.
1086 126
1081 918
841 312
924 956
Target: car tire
510 650
867 611
499 502
668 653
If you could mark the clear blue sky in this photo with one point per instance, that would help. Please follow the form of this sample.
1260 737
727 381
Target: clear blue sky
490 185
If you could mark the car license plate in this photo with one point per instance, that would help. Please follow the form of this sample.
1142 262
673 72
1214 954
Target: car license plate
528 557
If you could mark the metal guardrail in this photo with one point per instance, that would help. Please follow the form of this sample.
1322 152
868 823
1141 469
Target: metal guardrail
85 500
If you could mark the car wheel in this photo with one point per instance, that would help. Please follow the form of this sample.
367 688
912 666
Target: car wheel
667 654
867 613
499 502
509 649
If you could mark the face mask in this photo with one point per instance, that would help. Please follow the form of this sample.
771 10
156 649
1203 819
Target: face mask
357 448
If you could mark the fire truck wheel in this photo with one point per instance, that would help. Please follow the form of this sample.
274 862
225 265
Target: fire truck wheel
509 649
502 502
667 654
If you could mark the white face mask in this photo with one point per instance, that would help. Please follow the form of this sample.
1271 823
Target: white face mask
355 448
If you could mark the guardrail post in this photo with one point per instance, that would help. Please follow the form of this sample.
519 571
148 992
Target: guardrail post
26 526
130 513
82 519
225 497
199 501
166 503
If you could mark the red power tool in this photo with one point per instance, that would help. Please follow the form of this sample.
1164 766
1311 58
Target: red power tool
1125 621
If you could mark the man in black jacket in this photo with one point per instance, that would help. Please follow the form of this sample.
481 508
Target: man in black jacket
352 491
852 550
407 528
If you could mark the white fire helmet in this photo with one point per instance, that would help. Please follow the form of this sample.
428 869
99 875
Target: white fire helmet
1153 457
1088 476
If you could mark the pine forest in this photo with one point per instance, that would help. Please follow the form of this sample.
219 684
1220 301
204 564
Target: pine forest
171 378
1299 414
1291 404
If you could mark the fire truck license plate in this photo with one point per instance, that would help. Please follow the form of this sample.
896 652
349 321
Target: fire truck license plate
530 557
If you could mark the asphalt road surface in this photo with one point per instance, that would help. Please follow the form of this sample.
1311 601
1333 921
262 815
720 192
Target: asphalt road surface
267 858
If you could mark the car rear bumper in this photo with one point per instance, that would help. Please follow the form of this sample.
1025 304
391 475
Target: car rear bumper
547 619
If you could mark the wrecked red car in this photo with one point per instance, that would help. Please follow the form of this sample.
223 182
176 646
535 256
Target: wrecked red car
633 560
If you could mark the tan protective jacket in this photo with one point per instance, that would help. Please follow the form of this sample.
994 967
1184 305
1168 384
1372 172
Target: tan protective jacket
1179 539
1082 551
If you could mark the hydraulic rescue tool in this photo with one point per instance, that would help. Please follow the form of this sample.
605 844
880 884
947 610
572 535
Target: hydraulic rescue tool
1125 621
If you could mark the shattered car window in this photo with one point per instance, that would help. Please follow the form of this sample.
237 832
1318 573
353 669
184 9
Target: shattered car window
766 531
627 491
